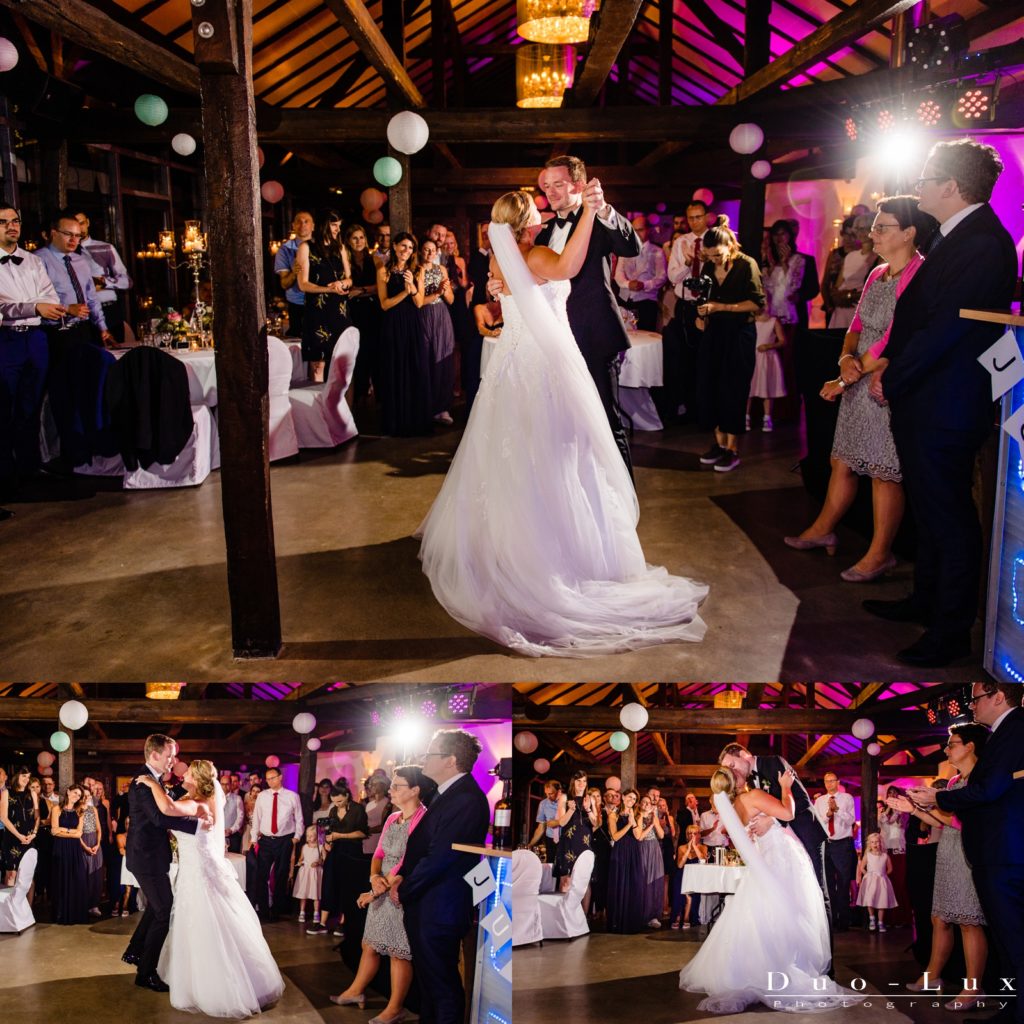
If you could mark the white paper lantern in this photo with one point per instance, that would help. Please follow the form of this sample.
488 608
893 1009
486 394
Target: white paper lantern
619 741
45 758
746 138
542 765
272 761
73 714
874 749
863 728
525 742
761 169
312 743
614 782
304 723
633 717
8 55
408 132
183 144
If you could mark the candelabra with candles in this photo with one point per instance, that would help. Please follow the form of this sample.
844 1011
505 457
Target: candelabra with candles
194 246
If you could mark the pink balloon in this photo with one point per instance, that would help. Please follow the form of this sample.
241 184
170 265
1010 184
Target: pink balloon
272 761
46 771
272 191
373 216
372 198
260 155
540 202
179 769
705 195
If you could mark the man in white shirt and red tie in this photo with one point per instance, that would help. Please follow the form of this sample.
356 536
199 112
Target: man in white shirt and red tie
277 828
837 813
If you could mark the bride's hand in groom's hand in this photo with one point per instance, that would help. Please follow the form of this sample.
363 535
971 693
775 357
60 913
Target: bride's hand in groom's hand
593 195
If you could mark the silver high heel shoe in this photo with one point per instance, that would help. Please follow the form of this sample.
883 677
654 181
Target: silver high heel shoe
828 542
915 986
854 575
402 1015
359 1001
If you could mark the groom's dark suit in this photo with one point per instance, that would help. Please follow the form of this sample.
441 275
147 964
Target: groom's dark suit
594 313
148 856
805 824
941 402
436 897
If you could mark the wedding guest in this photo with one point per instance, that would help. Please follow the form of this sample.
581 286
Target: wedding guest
249 804
693 851
577 818
384 934
127 888
363 309
284 267
345 862
857 262
627 908
809 287
234 813
768 382
837 813
109 275
893 828
48 797
712 831
92 844
108 846
955 900
254 779
783 277
480 264
433 293
991 811
383 253
649 834
689 813
874 890
667 842
462 321
309 875
69 887
277 828
725 363
404 391
322 807
20 816
922 849
430 884
547 820
641 278
377 807
941 396
601 844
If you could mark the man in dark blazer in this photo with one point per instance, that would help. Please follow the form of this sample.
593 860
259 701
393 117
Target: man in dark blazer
763 773
941 397
592 308
148 854
991 810
431 888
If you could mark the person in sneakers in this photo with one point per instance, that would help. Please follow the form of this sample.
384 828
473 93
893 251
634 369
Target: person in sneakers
725 359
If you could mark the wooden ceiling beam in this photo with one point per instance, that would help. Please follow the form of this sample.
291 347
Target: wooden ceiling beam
153 712
840 31
609 29
657 738
721 32
90 27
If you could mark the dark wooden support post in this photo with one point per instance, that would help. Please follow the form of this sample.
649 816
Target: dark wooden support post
666 43
756 54
400 197
307 777
438 23
757 36
66 761
628 771
868 794
222 34
54 174
10 166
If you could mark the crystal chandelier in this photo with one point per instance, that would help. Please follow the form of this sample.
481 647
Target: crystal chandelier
554 21
543 73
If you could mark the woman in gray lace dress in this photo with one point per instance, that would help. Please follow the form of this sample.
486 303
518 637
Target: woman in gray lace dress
863 444
954 900
384 934
433 291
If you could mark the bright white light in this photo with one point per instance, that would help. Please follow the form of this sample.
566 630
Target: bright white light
409 735
901 152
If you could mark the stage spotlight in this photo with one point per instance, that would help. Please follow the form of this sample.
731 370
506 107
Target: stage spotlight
900 153
938 45
850 127
929 113
460 702
375 717
885 120
933 716
974 105
428 709
409 734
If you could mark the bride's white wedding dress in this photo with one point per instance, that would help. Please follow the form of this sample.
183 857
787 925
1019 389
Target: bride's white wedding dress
215 959
532 539
771 942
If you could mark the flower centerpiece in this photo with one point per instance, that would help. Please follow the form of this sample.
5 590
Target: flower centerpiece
172 322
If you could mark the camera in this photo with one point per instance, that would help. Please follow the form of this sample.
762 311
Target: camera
700 287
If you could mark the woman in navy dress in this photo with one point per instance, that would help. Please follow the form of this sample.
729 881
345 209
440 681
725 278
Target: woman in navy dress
627 908
69 886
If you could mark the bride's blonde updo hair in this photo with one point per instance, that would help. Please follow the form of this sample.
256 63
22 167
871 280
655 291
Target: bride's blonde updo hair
723 781
205 774
513 209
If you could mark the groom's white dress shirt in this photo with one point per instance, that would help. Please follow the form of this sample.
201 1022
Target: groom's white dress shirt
560 234
844 818
289 814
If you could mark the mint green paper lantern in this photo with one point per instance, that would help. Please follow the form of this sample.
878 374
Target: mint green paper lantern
619 741
60 741
387 171
151 110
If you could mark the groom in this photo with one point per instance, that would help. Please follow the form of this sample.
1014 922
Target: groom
593 312
149 858
763 773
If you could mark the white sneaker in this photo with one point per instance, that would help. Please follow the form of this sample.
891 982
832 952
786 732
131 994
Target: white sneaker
654 923
871 925
767 426
302 918
444 417
881 928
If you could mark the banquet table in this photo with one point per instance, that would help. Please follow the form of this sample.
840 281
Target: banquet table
202 373
641 369
711 880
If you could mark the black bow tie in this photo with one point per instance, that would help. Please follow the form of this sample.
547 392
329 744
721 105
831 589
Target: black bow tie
569 218
16 260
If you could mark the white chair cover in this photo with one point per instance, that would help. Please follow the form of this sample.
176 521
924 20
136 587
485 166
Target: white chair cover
527 871
322 416
562 915
283 439
194 462
15 911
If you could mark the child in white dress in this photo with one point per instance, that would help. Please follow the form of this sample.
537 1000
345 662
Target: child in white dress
768 382
874 890
309 877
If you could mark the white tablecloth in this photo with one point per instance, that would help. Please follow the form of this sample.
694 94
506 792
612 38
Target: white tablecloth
642 365
237 861
711 878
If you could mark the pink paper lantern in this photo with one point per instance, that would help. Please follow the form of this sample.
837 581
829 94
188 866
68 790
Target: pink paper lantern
705 195
179 769
373 216
272 761
653 219
540 202
272 191
372 198
661 207
260 156
46 771
44 759
542 766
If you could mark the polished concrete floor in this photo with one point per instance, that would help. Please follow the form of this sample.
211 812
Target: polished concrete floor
53 973
622 979
101 584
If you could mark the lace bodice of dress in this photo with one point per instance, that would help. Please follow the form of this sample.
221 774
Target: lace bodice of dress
556 293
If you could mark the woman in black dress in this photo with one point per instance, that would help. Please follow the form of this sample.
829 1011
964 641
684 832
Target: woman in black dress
577 817
725 359
433 292
347 868
627 909
20 816
324 275
404 385
69 886
363 309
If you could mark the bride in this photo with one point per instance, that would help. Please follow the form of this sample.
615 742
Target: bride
532 540
215 959
771 942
